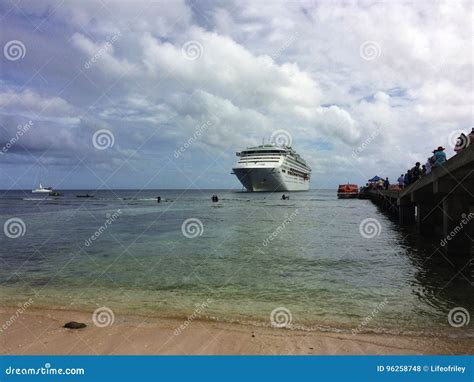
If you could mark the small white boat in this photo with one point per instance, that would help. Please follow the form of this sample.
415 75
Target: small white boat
42 190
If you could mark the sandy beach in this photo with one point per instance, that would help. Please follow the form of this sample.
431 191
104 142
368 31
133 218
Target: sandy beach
38 331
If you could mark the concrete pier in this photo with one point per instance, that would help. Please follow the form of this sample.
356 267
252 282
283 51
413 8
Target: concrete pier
440 204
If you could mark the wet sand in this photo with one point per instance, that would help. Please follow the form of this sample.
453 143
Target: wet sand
38 331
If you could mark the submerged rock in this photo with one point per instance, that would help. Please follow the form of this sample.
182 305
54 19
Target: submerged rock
74 325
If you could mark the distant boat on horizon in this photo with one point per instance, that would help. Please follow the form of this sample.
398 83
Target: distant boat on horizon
84 196
42 190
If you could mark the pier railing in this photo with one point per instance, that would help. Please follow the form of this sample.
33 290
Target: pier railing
439 204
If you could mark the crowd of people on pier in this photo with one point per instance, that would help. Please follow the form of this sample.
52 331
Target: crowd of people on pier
376 183
418 171
436 160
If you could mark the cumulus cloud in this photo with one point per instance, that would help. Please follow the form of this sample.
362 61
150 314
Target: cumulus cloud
30 101
254 68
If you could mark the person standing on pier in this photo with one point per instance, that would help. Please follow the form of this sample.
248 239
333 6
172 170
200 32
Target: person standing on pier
415 172
428 166
439 157
407 179
401 181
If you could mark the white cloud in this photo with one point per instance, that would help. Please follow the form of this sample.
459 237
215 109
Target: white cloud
263 67
31 102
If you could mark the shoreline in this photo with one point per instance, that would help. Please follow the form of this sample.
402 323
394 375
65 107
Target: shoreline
40 331
255 322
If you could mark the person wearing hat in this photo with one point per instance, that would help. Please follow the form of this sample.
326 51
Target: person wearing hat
439 157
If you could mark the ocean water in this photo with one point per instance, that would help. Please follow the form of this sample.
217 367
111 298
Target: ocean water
240 259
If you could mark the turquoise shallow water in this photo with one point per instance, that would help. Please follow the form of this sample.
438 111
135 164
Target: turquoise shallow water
255 253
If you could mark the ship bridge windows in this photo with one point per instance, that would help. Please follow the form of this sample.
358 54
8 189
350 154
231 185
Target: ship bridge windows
258 161
265 152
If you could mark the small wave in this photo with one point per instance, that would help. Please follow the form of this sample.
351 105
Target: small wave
315 200
312 327
282 205
324 328
303 326
140 199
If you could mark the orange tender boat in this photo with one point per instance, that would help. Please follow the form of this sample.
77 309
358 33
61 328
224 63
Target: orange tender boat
347 191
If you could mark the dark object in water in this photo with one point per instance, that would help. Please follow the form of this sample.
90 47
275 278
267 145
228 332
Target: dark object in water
285 197
55 193
158 199
215 198
74 325
85 196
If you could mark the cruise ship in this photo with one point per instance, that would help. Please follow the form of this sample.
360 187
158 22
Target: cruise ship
271 167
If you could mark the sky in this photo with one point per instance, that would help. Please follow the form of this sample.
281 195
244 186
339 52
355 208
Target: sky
162 94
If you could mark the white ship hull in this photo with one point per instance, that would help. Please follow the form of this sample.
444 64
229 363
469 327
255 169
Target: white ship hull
42 190
269 180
